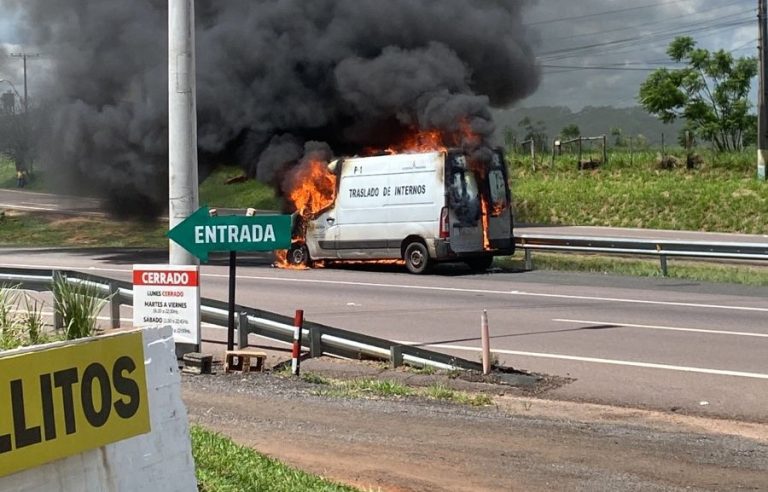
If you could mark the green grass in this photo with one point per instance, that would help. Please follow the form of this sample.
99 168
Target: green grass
386 388
364 388
38 230
214 192
439 391
223 466
723 195
35 182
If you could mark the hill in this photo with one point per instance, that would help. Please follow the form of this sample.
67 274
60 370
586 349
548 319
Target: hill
591 120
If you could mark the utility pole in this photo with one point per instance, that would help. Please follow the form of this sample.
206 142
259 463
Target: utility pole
25 56
182 132
762 112
182 122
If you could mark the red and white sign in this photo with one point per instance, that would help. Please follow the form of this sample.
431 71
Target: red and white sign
168 295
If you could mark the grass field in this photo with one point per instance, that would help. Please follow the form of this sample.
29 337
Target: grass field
722 195
41 230
214 191
223 466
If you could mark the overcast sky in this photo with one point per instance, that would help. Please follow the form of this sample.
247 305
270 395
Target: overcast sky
578 39
627 38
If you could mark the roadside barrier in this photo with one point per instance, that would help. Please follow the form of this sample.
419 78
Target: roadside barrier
320 339
663 249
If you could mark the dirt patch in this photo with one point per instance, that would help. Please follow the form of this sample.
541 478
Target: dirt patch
521 442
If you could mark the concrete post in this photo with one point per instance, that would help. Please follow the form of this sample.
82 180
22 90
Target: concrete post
182 122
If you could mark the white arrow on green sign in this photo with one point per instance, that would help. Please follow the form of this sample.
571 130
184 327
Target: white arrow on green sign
201 234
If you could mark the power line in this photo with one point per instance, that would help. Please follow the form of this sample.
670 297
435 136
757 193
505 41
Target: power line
646 69
654 37
671 23
25 56
607 12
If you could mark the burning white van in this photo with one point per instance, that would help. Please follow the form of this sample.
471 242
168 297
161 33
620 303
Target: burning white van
421 208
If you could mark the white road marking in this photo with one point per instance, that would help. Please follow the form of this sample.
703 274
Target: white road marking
497 292
435 289
645 365
27 207
661 327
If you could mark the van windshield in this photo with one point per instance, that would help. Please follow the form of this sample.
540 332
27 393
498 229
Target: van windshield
464 193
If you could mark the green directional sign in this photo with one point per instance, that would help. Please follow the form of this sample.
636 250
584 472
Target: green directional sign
201 234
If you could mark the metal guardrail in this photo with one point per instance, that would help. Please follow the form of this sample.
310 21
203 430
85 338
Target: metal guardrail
321 339
661 248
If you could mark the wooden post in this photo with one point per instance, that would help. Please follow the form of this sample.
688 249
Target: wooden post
579 152
605 149
533 154
631 155
552 165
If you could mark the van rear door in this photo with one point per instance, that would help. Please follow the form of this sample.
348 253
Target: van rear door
500 208
464 210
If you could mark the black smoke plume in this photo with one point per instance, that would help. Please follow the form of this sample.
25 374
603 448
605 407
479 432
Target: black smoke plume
272 75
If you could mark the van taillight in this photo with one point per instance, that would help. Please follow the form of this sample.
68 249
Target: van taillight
444 229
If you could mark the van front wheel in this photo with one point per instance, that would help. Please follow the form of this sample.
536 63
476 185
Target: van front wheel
417 258
298 255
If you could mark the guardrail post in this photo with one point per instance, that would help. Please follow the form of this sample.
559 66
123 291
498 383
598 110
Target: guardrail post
58 322
396 356
663 261
528 259
114 305
242 330
315 342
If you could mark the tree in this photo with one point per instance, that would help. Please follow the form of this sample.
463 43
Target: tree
570 132
536 132
711 93
15 135
618 135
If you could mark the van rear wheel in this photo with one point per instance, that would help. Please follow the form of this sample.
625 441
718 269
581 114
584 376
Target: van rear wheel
417 258
480 263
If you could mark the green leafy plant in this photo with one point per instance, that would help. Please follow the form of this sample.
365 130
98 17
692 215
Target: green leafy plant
32 319
10 328
77 303
711 92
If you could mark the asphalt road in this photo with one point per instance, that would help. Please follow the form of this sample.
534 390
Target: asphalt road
655 343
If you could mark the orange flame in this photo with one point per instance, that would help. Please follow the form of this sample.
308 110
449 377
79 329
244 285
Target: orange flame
314 188
486 222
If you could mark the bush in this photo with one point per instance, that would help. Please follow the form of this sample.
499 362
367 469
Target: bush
77 303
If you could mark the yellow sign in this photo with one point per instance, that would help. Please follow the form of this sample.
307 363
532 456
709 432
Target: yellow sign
61 401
